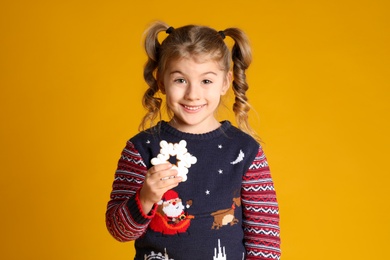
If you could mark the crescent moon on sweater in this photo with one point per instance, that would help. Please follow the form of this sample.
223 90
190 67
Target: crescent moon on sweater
240 157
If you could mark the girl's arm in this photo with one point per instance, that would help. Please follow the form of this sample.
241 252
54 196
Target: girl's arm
125 219
260 211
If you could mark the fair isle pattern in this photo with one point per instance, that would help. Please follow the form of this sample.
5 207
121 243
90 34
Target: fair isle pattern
261 212
129 177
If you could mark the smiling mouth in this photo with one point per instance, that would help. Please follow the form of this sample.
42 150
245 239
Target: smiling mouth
193 108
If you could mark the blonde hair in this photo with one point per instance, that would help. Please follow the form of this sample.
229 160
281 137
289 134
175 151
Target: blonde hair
193 40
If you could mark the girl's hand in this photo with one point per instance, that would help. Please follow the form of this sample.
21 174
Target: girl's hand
158 180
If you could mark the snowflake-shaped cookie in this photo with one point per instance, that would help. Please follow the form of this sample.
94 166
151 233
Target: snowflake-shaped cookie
184 159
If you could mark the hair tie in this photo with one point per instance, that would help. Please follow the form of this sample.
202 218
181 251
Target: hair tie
222 34
169 30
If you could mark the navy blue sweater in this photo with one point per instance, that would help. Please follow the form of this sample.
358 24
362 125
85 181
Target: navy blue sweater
225 209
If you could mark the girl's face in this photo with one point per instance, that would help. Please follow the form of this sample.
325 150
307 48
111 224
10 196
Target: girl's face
193 89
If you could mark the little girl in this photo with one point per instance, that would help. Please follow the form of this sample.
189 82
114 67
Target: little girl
194 187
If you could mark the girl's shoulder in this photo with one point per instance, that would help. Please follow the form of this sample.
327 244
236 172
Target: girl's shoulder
237 135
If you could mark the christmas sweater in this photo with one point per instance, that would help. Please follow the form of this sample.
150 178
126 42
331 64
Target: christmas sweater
224 209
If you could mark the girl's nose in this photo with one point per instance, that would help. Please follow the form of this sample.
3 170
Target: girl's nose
192 92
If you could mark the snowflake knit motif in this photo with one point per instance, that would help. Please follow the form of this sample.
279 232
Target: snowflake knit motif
184 159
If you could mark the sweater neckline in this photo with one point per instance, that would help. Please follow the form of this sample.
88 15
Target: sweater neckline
165 127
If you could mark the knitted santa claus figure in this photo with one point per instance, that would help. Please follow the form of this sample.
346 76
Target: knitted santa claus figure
172 206
171 217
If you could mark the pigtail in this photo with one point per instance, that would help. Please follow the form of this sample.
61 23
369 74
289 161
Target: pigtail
242 58
151 103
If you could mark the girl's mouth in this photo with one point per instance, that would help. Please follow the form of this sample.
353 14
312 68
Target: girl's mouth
193 108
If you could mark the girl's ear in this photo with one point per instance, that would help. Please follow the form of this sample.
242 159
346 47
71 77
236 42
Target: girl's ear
226 83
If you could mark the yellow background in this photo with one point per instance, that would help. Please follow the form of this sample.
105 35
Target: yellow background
71 85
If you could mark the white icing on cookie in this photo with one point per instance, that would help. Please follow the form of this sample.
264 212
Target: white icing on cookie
184 159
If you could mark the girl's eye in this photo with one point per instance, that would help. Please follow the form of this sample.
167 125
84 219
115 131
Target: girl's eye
180 80
206 81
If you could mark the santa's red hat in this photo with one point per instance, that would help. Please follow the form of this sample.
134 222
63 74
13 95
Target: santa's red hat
170 195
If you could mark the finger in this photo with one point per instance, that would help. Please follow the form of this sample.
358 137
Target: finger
160 167
167 174
158 170
170 183
170 175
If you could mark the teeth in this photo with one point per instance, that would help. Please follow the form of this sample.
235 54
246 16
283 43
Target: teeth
193 108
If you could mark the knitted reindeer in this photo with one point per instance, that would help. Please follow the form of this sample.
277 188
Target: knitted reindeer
226 216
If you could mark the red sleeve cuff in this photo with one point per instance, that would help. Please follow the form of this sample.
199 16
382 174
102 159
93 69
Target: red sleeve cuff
152 212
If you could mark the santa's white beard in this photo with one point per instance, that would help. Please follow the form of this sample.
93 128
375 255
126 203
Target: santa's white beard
173 211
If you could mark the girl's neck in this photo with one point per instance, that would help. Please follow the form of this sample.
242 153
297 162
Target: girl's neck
194 129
